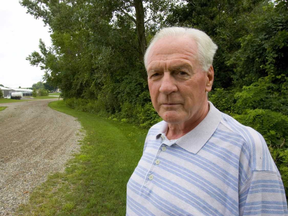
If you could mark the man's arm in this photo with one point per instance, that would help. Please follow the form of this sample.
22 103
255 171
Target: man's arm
263 194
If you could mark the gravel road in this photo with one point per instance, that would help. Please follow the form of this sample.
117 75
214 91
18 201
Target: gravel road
35 141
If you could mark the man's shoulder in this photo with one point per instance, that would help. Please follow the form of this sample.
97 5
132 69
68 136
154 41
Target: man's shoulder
237 128
253 143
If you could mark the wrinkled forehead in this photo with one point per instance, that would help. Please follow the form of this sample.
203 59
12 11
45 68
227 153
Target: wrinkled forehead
173 65
172 48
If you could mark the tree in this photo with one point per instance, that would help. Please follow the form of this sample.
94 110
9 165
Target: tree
49 87
98 47
223 21
264 50
38 85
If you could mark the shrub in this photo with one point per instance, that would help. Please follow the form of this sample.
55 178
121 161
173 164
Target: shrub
143 116
222 99
34 93
1 94
147 115
43 92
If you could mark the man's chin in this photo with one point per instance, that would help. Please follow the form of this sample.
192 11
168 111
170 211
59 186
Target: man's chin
171 117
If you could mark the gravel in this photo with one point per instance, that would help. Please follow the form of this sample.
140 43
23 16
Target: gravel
35 141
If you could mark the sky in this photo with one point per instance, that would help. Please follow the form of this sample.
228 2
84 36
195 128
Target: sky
19 37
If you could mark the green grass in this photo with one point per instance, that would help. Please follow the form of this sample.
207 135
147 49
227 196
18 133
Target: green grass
44 97
58 94
2 108
4 100
51 95
94 182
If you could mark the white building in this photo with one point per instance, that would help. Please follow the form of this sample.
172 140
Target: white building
6 91
26 92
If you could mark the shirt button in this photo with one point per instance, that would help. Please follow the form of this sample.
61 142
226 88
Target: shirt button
157 162
163 148
150 177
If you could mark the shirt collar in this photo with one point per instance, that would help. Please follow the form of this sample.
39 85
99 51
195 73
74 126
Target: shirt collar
196 138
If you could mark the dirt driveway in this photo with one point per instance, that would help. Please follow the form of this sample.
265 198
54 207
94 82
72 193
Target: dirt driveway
34 141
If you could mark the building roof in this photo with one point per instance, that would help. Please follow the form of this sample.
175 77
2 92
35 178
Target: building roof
5 88
23 90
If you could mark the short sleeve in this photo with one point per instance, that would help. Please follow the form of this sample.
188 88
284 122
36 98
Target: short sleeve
263 194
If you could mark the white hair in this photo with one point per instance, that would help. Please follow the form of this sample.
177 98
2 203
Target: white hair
206 47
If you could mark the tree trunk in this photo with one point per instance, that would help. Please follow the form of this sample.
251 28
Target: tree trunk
140 27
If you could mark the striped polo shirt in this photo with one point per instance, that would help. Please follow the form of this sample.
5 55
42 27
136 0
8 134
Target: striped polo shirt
221 167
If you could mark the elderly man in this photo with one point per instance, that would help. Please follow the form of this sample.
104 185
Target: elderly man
198 161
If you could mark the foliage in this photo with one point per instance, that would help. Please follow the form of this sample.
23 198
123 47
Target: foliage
34 93
94 182
267 93
44 85
223 99
43 92
264 49
38 85
48 86
42 89
142 116
1 94
223 21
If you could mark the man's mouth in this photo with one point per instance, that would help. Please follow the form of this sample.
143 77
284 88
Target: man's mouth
170 104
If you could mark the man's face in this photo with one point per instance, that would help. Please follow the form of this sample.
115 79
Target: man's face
177 82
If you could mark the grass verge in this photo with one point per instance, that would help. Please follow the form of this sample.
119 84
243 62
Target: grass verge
57 94
2 108
94 182
4 100
46 97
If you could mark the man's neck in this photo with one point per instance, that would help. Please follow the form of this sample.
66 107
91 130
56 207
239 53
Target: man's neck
175 131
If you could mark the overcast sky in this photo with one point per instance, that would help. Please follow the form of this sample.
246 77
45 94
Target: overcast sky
19 37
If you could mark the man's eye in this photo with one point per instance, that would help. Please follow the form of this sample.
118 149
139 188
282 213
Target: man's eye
181 73
155 74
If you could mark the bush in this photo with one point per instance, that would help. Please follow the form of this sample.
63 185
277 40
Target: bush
43 92
143 116
147 115
34 93
1 94
222 99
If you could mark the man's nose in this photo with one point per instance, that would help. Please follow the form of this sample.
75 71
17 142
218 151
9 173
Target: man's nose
167 84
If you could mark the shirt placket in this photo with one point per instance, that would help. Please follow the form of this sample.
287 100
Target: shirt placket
153 171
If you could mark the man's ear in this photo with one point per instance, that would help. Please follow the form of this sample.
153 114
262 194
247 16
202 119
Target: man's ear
210 79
